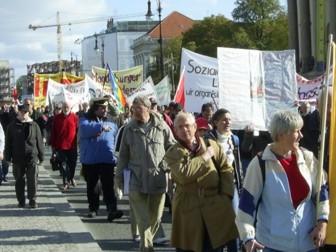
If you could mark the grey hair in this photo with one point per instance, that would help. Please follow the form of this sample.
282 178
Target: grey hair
184 115
143 100
284 121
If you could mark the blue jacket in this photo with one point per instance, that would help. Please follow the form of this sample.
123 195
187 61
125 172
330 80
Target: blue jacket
96 145
279 225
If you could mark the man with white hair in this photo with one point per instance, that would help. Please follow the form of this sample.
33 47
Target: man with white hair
63 140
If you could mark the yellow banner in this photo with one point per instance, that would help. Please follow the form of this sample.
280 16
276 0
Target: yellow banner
129 79
41 85
331 230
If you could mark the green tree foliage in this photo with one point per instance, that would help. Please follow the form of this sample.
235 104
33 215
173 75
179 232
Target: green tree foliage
264 21
205 36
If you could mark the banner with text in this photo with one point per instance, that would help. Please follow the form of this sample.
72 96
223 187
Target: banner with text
254 84
201 80
163 92
41 85
129 79
75 94
147 88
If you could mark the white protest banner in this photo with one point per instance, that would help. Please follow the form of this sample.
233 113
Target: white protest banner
163 92
254 84
201 80
74 93
309 89
147 88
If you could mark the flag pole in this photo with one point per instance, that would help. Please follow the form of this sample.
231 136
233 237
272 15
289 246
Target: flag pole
323 123
105 76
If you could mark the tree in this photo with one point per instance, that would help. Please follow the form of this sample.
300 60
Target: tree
205 36
263 21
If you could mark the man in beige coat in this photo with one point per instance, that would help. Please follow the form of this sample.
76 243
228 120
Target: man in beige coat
203 217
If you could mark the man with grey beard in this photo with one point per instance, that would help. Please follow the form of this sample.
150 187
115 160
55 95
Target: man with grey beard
63 140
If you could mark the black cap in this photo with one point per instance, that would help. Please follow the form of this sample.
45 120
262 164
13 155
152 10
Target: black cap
101 101
23 108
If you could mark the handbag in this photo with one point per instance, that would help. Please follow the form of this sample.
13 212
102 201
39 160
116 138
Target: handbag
54 162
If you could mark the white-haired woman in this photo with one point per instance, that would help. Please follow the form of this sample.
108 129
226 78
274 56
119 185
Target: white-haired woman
277 209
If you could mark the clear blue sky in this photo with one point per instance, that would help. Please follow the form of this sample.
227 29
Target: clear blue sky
22 46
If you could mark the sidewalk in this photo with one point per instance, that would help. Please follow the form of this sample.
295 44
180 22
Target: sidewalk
53 226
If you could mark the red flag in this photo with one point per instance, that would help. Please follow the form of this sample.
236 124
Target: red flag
179 95
15 94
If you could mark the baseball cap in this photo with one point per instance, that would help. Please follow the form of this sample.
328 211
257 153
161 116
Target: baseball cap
202 123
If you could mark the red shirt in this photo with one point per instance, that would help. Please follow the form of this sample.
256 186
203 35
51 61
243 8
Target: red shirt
63 134
298 185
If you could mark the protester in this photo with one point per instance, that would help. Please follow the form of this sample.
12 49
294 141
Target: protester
203 217
279 192
310 129
2 147
24 148
207 111
37 117
97 141
143 145
221 133
84 107
202 126
125 117
253 141
63 140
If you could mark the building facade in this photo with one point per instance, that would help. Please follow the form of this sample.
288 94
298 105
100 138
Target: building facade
310 22
113 45
7 81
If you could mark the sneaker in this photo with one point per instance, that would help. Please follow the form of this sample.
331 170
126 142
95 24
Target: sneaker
161 241
92 214
136 238
32 204
117 214
21 205
65 187
4 180
73 182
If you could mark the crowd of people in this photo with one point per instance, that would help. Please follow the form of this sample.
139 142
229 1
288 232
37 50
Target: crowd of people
229 189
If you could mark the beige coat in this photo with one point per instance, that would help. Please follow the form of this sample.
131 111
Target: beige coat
203 198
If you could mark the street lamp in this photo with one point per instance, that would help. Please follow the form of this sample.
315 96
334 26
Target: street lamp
160 40
149 17
96 48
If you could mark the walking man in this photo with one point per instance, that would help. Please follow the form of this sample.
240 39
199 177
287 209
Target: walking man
24 148
63 140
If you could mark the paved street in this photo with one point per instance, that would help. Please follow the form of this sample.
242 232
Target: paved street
60 222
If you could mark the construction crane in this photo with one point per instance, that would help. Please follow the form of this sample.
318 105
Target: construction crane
59 30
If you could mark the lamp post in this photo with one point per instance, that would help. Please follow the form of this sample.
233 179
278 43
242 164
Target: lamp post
160 40
149 17
96 48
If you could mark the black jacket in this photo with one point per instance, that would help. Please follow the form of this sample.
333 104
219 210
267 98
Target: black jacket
24 143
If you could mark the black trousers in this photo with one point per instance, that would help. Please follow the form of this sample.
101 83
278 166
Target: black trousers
20 173
105 172
68 161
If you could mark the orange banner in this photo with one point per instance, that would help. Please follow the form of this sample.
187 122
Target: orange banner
41 85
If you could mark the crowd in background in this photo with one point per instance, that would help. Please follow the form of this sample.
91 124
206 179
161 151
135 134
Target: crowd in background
195 164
